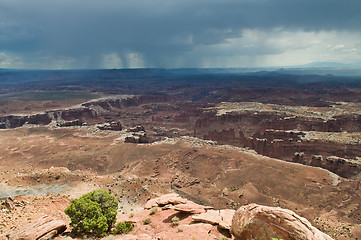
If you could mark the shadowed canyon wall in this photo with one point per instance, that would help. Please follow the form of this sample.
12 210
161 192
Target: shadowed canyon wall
283 137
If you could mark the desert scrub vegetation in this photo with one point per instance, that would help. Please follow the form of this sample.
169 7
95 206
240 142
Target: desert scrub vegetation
123 227
94 213
175 221
147 221
223 238
153 211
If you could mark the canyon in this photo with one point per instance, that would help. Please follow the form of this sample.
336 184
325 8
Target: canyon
324 137
221 140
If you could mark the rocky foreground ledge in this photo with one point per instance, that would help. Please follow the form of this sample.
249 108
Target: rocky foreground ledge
172 217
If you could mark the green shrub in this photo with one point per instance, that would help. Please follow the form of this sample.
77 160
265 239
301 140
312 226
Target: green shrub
175 221
153 210
94 212
123 227
147 221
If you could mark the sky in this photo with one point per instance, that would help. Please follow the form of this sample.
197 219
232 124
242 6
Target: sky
70 34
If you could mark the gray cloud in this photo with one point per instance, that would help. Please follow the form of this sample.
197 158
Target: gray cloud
163 33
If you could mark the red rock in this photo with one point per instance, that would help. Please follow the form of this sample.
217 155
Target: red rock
191 207
226 218
211 216
223 217
261 222
43 228
171 198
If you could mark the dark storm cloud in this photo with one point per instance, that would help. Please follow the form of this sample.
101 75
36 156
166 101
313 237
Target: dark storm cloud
159 30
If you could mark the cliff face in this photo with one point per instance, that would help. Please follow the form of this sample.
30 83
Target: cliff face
259 122
60 116
92 112
283 137
18 121
278 132
341 166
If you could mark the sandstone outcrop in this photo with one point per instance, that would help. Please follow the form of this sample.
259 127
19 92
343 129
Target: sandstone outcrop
111 126
74 116
44 228
211 216
63 118
261 222
191 207
136 129
163 200
139 137
341 166
223 217
180 204
75 122
280 135
226 218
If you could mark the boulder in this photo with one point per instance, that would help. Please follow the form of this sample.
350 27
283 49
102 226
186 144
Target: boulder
211 216
223 217
191 207
43 228
163 200
226 218
254 221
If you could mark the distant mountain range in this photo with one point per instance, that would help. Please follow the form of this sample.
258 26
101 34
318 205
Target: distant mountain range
309 66
328 65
